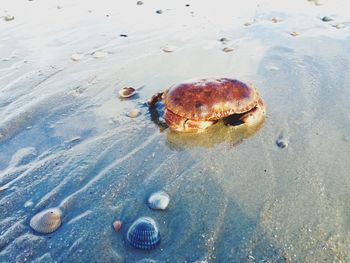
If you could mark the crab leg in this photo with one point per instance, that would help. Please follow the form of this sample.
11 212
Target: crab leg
254 116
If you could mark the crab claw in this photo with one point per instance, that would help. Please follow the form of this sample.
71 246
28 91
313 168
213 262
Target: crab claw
181 124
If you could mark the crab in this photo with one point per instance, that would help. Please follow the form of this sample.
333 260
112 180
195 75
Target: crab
196 105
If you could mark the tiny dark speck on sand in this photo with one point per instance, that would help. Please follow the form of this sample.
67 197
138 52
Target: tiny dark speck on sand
159 11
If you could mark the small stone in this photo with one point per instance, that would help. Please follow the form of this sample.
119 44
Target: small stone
247 24
59 7
77 56
29 203
187 5
227 49
100 54
133 113
282 143
123 35
326 19
159 11
9 18
117 225
139 3
294 34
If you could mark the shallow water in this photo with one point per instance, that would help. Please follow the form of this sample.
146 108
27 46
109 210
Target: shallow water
66 142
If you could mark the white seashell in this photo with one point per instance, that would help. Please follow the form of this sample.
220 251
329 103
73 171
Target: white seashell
127 92
294 34
77 56
133 113
168 49
100 54
227 49
9 18
46 221
158 201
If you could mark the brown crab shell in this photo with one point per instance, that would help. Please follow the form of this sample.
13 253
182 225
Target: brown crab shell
210 99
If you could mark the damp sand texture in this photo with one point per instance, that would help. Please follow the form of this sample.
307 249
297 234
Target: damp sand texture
67 142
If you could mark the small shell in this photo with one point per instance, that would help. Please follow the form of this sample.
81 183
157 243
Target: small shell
46 221
339 26
227 49
247 24
127 92
294 34
158 201
100 54
282 142
326 19
133 113
276 19
9 18
139 3
77 57
144 234
117 225
168 49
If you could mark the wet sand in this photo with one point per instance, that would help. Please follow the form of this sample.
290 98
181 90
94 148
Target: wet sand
65 139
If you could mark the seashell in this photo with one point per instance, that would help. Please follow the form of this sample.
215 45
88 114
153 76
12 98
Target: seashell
294 34
117 225
227 49
46 221
133 113
168 49
9 18
139 3
127 92
276 19
326 19
158 201
339 26
77 57
282 142
144 234
247 24
100 54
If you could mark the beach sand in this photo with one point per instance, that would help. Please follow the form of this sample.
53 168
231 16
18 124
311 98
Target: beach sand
235 196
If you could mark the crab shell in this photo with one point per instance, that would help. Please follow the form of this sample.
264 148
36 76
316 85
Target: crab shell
196 105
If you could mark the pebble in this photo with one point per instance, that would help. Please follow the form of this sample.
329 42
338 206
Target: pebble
100 54
159 11
29 203
9 18
294 34
139 3
326 19
123 35
224 40
227 49
247 24
77 56
133 113
117 225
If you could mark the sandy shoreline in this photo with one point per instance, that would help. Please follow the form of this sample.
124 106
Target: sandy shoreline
65 139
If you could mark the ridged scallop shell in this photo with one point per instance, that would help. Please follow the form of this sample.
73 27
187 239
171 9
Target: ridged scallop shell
144 234
46 221
158 201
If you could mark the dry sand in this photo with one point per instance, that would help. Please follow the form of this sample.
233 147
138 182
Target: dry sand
65 139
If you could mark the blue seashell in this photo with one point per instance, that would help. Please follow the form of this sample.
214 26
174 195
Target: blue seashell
158 201
144 234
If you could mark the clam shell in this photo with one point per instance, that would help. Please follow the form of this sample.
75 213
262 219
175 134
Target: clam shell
127 92
144 234
46 221
227 49
133 113
158 201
